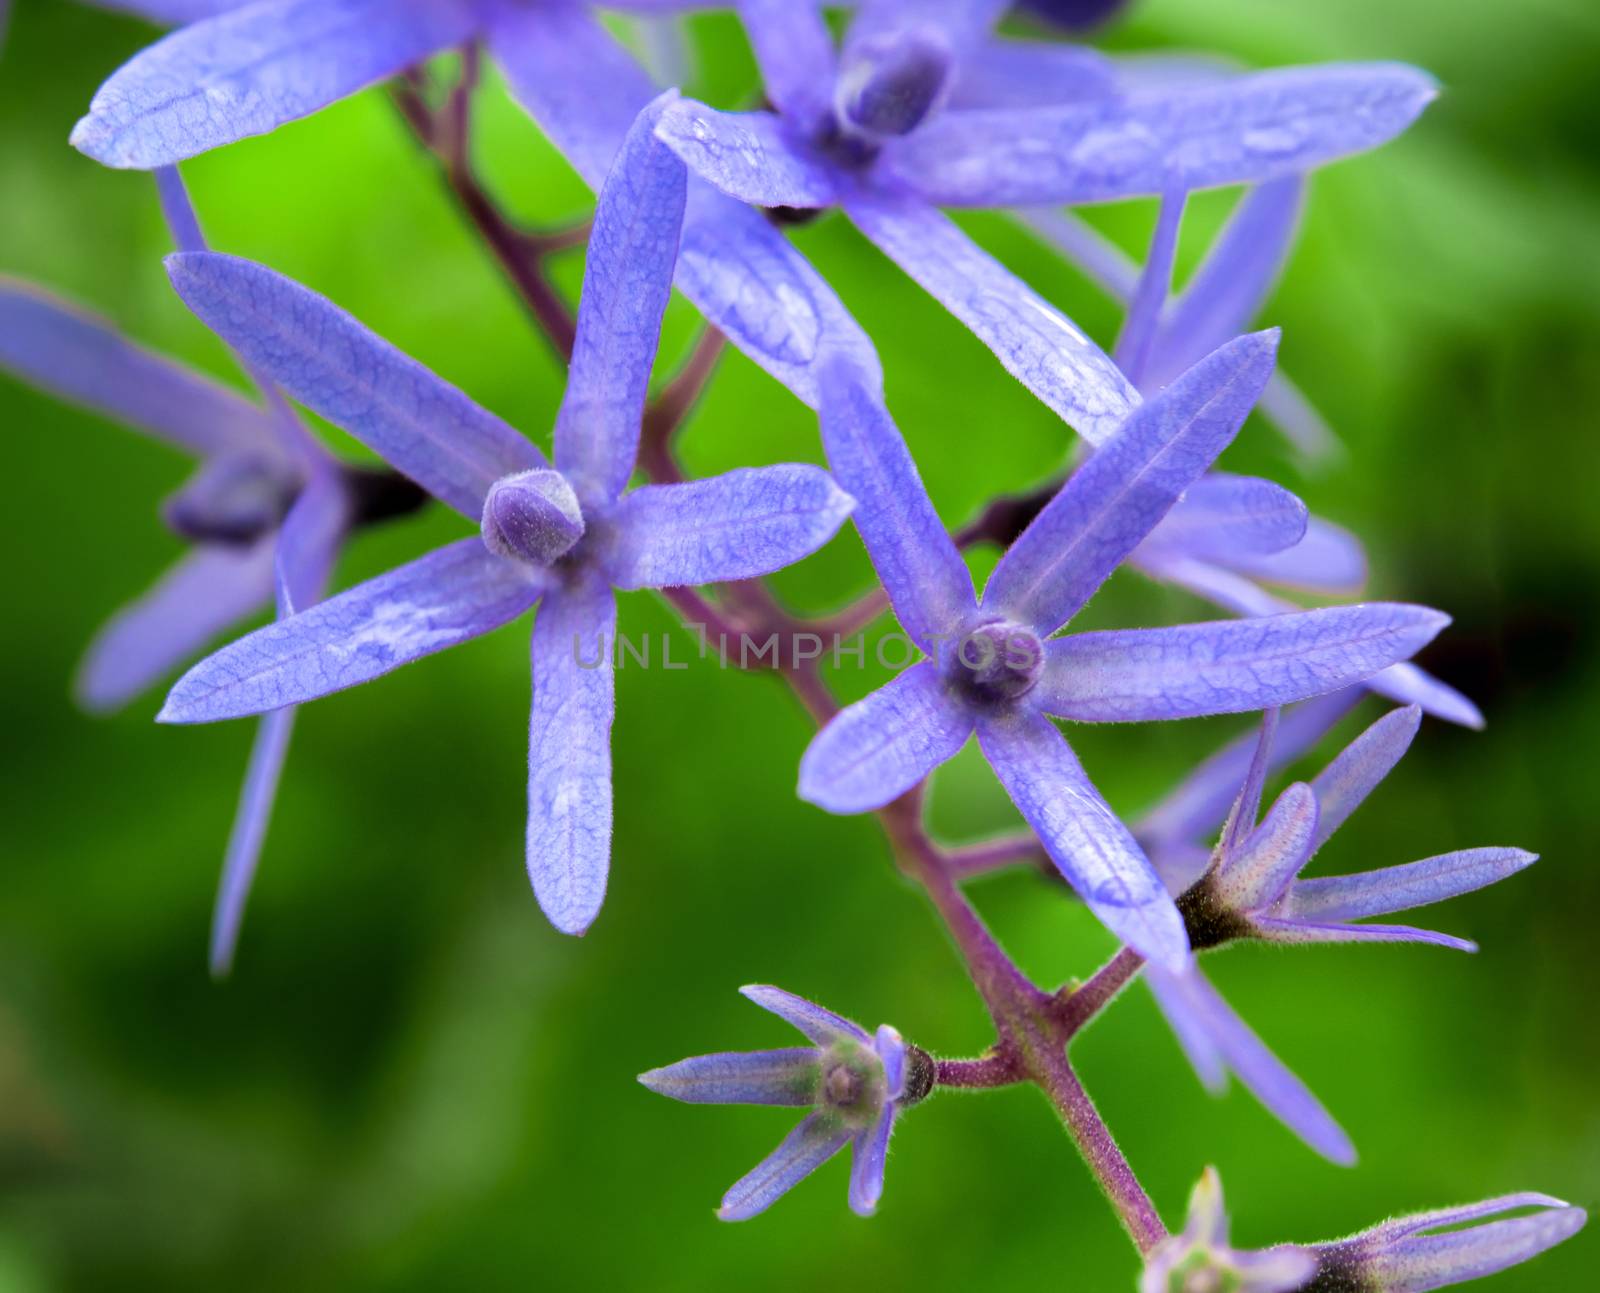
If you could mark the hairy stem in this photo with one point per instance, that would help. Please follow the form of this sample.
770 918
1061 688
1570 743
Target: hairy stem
997 1069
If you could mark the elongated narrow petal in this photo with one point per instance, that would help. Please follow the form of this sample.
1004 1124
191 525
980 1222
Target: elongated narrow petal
249 71
803 1150
748 522
1086 841
248 835
1034 342
1191 995
1400 888
1222 516
1172 994
1227 667
1288 408
178 211
1246 810
1327 559
1276 929
208 591
869 1151
633 250
1406 684
1139 329
1442 1218
820 1025
309 542
1346 782
419 423
1030 74
740 272
794 50
1198 803
569 754
750 156
924 575
1273 854
453 594
1229 289
877 749
51 343
787 1077
1246 130
1121 493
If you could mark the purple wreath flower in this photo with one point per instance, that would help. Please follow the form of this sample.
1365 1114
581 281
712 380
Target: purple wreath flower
920 110
568 534
1199 1259
854 1083
1250 889
1006 674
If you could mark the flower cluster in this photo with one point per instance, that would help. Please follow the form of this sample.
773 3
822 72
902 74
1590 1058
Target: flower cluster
924 106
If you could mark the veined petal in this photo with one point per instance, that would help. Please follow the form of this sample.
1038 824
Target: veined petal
803 1150
821 1026
1345 783
1246 130
54 345
248 834
924 575
786 1077
455 593
209 590
249 71
879 748
419 423
749 522
1400 888
1191 995
1230 666
869 1152
1273 854
1276 929
1034 342
1089 845
569 754
794 50
309 542
1223 516
1121 493
633 250
747 155
1002 73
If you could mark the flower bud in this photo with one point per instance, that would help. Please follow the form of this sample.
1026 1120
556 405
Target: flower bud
234 499
532 516
892 82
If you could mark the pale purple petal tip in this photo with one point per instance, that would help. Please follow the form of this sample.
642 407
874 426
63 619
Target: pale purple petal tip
869 1153
820 1025
782 1077
803 1150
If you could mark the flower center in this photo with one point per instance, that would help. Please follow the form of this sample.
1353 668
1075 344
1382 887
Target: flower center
532 516
997 661
892 82
233 499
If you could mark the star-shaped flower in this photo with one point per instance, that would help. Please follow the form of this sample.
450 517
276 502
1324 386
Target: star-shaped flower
912 116
854 1083
1198 1259
567 534
996 669
1250 889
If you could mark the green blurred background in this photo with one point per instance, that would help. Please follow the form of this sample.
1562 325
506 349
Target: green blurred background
411 1082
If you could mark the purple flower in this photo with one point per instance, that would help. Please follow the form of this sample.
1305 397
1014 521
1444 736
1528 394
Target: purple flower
920 110
996 669
567 534
1250 890
1074 15
853 1082
1198 1259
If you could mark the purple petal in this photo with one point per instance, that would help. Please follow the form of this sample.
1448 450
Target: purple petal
633 249
795 53
1232 284
1030 74
1246 810
1439 1218
309 542
880 747
1173 998
891 1048
960 24
1035 342
869 1152
1241 131
747 155
249 833
1286 930
787 1077
1088 844
1223 517
453 594
748 522
248 72
1121 493
1285 405
1416 1263
1270 859
52 344
821 1026
1409 685
1349 779
178 210
1327 559
171 13
1227 667
569 754
1139 329
803 1150
209 590
920 569
1400 888
1284 1095
418 423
